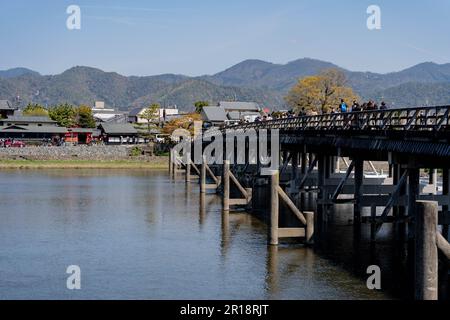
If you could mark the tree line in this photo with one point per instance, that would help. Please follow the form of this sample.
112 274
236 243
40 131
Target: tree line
66 115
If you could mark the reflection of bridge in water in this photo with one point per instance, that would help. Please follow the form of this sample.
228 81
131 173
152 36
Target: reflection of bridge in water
411 143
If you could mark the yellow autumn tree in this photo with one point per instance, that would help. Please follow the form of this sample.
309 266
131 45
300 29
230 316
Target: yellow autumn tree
184 122
321 93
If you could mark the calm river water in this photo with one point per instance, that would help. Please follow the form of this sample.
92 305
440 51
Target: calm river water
141 235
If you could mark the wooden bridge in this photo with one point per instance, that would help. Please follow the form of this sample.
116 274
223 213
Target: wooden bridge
330 156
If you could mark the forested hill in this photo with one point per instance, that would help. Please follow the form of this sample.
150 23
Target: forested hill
251 80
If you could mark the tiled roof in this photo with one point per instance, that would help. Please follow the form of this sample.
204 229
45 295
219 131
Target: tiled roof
28 119
214 114
32 129
6 105
134 112
118 128
239 106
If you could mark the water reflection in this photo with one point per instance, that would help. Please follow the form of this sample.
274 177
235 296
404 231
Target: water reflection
139 234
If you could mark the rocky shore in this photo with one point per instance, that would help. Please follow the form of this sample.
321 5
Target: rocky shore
81 152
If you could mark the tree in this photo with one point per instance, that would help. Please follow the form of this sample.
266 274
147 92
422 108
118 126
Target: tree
199 105
35 110
321 93
184 122
151 114
63 114
85 118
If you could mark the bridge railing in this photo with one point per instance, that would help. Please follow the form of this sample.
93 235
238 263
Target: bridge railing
407 119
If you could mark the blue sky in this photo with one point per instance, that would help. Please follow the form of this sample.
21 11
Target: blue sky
195 37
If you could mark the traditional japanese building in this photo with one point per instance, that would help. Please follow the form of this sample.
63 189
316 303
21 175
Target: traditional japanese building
30 128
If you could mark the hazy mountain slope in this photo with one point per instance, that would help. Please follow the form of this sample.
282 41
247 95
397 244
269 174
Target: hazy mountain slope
193 90
84 85
16 72
261 74
250 80
414 94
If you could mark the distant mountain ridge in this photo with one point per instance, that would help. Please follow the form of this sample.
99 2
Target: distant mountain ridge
16 72
251 80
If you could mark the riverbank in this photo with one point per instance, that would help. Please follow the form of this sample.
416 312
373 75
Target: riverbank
82 157
154 163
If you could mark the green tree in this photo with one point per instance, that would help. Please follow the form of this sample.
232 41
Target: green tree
85 118
35 110
199 105
151 115
63 114
321 93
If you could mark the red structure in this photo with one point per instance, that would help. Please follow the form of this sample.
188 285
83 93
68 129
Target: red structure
79 135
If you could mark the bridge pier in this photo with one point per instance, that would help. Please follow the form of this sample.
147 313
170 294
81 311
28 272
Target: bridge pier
426 252
188 167
276 232
446 193
226 186
358 194
321 209
274 208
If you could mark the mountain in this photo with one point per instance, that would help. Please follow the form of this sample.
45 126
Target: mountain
251 80
261 74
16 72
84 85
415 94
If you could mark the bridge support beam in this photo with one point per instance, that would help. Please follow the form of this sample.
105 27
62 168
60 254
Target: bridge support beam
445 233
188 168
320 211
226 186
294 165
303 163
274 208
170 162
413 195
359 179
309 227
445 192
203 176
426 255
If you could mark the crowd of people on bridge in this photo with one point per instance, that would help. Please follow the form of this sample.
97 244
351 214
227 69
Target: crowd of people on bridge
344 108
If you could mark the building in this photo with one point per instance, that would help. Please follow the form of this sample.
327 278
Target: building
215 116
231 112
81 135
165 114
6 109
114 133
134 115
30 128
102 114
239 106
241 111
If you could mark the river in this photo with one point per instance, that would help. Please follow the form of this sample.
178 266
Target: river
140 235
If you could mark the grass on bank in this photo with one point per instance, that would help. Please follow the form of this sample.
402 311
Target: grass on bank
157 163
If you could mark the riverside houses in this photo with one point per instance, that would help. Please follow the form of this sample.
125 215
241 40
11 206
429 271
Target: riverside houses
231 112
123 133
6 109
30 128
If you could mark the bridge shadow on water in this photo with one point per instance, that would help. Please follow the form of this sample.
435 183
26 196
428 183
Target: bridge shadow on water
349 248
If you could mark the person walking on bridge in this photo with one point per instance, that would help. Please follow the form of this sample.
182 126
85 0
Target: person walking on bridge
343 108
